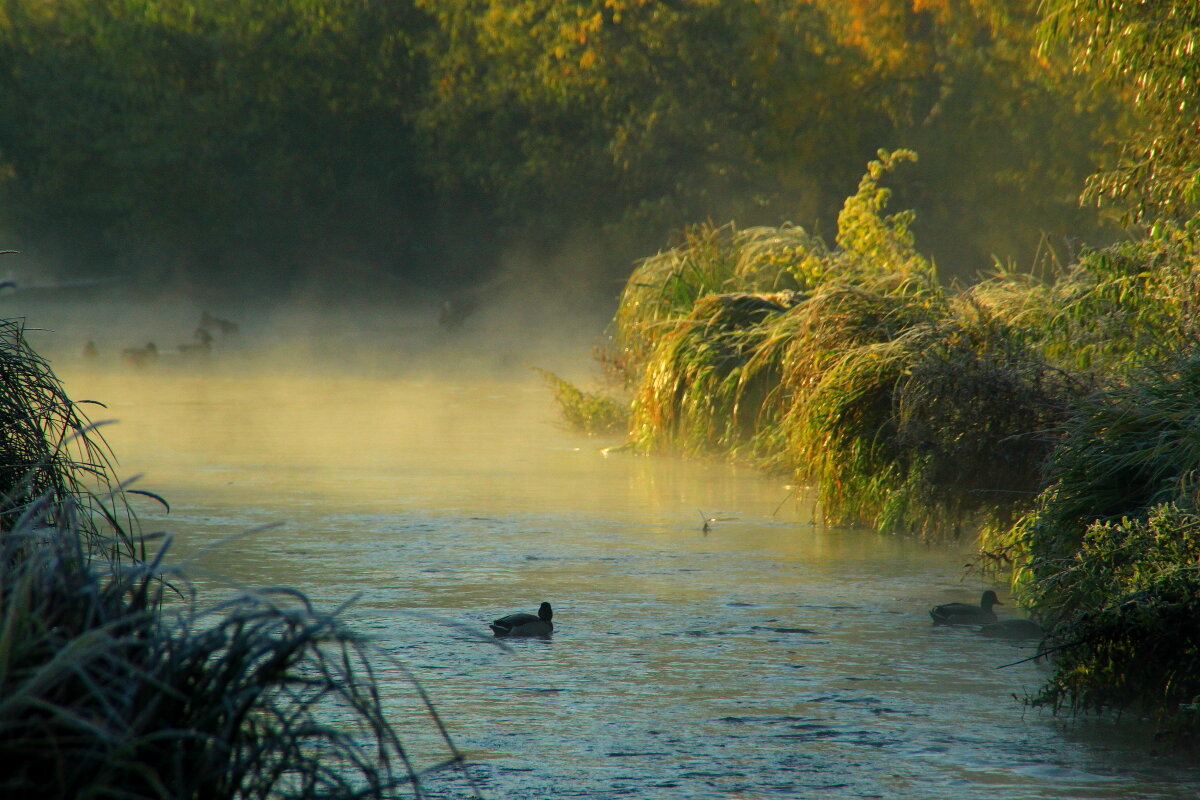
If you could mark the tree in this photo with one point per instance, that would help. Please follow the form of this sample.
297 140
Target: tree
210 134
1151 51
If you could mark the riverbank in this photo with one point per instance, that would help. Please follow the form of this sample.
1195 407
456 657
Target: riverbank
1055 417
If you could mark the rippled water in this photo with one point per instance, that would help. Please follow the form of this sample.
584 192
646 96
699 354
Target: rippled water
767 658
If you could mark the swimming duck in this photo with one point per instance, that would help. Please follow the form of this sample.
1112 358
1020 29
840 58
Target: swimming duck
523 624
965 613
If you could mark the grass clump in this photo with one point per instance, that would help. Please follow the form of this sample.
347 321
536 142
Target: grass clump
593 413
116 682
940 427
710 260
697 392
864 375
110 688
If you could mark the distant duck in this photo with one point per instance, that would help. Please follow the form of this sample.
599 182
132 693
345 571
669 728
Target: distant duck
140 357
523 624
965 613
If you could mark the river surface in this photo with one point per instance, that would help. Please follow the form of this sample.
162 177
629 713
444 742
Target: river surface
767 657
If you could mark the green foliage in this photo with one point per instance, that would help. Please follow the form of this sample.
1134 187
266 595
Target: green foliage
637 114
51 456
1125 607
191 131
1122 451
933 429
1106 558
911 409
864 231
1150 51
205 136
587 412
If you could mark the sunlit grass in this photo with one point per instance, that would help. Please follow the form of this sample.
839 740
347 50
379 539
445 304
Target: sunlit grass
587 412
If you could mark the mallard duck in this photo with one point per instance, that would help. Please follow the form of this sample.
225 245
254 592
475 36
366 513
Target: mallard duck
523 624
965 613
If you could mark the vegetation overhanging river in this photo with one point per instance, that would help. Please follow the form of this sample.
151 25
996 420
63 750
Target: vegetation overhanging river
767 657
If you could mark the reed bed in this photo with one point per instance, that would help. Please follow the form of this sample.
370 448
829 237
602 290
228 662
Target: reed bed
939 428
866 378
115 681
1054 417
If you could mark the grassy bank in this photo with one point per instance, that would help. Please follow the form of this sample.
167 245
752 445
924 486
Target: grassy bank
1055 418
116 680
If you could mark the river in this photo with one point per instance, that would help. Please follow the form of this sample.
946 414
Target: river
766 657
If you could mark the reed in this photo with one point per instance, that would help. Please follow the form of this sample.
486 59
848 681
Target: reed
710 260
50 452
931 420
114 685
695 392
868 378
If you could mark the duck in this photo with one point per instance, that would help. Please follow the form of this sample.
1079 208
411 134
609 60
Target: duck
965 613
523 624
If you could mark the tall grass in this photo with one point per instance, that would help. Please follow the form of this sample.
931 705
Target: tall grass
710 260
50 453
941 427
911 408
115 680
593 413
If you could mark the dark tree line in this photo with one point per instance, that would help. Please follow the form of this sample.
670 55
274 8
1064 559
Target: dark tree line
422 138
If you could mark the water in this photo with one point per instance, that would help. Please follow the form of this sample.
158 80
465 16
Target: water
769 657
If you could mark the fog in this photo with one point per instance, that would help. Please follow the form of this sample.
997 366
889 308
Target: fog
500 328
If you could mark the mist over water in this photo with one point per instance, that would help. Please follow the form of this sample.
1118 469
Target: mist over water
426 474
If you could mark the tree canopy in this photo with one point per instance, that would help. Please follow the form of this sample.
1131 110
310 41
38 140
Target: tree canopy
1149 52
427 136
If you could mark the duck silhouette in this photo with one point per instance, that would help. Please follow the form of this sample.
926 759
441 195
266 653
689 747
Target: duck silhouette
965 613
524 624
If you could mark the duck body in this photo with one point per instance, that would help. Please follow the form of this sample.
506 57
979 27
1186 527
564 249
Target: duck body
965 613
524 624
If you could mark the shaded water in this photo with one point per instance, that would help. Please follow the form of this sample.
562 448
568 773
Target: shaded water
769 657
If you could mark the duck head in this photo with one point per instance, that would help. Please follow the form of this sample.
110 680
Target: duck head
988 600
545 614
